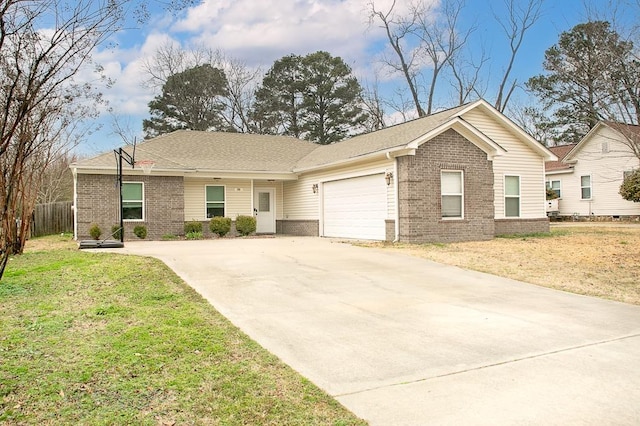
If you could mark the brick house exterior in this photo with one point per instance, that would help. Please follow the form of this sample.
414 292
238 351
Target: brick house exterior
419 191
98 196
385 185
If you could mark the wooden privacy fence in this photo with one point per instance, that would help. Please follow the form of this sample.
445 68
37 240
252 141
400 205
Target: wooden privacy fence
52 218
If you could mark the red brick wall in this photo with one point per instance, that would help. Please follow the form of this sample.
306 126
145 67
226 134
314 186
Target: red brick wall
98 201
420 197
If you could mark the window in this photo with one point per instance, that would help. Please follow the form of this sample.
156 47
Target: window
512 196
451 189
605 147
585 187
215 201
132 201
554 185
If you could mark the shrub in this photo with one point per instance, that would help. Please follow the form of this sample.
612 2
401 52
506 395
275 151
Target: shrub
140 231
193 235
193 226
220 225
630 188
245 225
95 231
169 237
116 231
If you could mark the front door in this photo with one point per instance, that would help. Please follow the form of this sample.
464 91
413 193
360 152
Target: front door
263 208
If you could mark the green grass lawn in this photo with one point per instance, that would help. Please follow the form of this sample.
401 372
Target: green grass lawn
99 338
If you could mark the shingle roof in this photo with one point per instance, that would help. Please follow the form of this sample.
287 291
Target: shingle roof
195 150
560 152
237 152
387 138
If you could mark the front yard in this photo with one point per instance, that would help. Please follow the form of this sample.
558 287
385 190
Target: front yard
98 338
601 261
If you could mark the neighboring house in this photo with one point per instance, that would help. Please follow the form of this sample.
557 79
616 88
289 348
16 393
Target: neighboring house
467 173
588 175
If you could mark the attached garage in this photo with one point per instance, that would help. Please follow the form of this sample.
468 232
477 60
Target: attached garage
355 207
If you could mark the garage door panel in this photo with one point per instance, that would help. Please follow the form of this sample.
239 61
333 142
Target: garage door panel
355 207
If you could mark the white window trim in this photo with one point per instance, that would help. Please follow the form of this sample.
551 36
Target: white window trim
144 205
550 186
461 194
224 188
505 196
590 188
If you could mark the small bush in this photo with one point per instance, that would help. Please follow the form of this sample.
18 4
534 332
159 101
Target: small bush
220 225
140 231
169 237
193 226
245 225
193 235
95 231
115 232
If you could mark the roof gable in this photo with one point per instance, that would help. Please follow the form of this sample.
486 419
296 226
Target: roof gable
624 130
195 151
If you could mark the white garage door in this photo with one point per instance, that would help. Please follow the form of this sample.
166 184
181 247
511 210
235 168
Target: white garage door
355 208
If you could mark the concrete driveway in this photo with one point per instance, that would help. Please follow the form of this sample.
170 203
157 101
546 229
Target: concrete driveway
404 341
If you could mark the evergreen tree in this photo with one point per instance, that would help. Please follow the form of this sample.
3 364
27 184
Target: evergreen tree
314 97
192 99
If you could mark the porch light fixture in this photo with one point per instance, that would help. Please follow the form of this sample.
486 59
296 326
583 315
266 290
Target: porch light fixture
314 188
387 177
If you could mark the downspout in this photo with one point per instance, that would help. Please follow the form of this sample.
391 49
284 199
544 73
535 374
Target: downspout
397 198
253 211
74 207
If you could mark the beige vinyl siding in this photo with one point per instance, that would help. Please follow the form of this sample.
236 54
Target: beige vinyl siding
519 160
300 203
237 197
606 171
279 198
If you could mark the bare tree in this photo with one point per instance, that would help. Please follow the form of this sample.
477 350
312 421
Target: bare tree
427 36
44 45
373 106
242 81
519 19
399 30
39 98
57 179
466 76
440 38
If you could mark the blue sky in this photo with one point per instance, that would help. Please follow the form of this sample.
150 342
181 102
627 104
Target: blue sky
259 32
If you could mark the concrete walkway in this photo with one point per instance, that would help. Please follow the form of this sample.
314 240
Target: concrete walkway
404 341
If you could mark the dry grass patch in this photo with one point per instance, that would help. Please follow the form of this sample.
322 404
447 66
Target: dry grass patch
602 261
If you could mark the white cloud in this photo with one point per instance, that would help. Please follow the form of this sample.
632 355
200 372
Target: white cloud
261 32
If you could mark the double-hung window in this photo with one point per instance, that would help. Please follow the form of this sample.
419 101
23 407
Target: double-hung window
132 201
554 185
452 192
585 187
512 196
215 201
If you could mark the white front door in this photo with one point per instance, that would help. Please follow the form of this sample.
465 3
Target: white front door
263 208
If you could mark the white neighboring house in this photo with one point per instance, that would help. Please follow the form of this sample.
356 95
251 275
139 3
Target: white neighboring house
588 175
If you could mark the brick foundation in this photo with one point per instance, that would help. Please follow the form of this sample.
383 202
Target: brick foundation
521 226
304 228
390 230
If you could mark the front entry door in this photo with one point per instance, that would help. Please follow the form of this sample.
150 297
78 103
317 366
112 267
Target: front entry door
263 208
